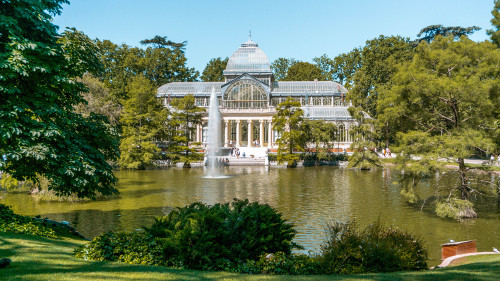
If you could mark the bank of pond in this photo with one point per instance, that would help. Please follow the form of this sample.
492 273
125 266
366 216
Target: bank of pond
240 237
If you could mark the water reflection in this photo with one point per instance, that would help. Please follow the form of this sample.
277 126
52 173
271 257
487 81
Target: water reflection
308 197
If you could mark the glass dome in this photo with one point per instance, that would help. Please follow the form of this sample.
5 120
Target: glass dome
249 58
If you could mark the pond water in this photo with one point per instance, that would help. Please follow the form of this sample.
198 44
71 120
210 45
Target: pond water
308 197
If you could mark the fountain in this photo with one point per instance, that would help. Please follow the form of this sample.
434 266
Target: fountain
213 138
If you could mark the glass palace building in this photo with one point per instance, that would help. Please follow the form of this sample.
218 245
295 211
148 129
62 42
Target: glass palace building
249 95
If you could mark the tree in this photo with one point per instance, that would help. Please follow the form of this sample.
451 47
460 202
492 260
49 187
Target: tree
162 62
321 134
304 71
325 64
364 156
341 68
98 100
213 72
379 58
143 119
185 116
345 66
429 33
288 122
160 42
280 67
40 134
495 21
448 97
81 52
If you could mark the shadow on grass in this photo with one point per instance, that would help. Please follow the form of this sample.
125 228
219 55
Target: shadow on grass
37 258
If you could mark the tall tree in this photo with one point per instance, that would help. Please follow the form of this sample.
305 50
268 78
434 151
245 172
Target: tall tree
379 58
341 68
288 122
325 64
185 116
495 21
280 67
429 33
143 119
364 156
213 72
448 97
159 42
40 134
98 100
304 71
322 135
161 62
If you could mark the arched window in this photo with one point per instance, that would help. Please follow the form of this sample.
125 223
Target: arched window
245 94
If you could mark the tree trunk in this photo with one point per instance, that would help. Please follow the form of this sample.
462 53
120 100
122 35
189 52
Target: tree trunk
464 186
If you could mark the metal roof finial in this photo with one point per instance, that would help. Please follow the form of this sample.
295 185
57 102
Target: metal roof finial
249 32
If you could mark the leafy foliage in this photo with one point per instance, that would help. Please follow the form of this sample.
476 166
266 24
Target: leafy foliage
213 72
11 222
303 71
143 119
182 125
129 247
288 122
201 237
98 100
429 33
161 62
447 99
39 132
322 134
341 68
280 67
495 21
364 156
373 249
377 63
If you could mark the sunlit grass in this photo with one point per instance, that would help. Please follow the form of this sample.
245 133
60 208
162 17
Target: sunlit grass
36 258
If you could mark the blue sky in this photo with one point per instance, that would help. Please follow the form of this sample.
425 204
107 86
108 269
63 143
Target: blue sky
291 29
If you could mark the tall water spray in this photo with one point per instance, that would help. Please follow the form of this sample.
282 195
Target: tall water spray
213 135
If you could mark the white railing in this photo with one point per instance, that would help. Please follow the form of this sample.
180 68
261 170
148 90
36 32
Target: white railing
248 110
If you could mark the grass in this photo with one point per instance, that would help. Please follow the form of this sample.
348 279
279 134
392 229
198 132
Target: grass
37 258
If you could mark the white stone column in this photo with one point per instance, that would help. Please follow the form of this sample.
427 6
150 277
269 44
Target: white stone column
261 133
226 129
270 134
197 138
238 133
250 133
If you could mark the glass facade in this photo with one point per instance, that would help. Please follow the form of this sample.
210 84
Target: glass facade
245 94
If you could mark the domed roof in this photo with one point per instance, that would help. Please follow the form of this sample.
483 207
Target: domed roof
249 58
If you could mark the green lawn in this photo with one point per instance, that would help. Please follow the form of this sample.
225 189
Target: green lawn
36 258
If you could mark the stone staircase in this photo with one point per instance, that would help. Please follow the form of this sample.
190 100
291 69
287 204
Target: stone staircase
254 156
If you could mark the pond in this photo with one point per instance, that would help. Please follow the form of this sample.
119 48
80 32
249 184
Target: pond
308 197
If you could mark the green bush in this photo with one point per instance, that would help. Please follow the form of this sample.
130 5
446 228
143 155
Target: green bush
11 222
138 248
374 249
199 236
280 263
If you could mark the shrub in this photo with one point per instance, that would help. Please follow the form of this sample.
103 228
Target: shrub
11 222
280 263
199 236
455 208
209 237
374 249
138 248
